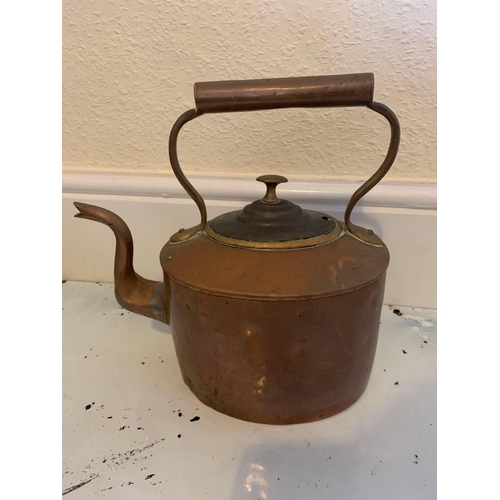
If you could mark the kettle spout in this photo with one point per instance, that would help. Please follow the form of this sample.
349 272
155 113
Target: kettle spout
133 292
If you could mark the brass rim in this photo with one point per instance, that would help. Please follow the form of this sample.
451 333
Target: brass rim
275 245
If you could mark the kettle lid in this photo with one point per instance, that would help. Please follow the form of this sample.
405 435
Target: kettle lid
273 223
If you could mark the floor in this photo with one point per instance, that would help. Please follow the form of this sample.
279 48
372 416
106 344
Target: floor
133 430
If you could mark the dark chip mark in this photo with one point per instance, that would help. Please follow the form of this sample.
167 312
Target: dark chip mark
404 352
195 419
88 407
73 488
64 281
416 456
122 315
397 312
109 417
396 383
129 483
425 342
124 427
140 428
179 435
179 414
142 363
149 476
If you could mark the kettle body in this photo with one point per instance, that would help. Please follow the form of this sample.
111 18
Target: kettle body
301 352
274 310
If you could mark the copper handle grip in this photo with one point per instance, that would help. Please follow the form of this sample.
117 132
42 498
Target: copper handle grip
298 92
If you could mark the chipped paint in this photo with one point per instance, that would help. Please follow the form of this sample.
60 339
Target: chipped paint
419 319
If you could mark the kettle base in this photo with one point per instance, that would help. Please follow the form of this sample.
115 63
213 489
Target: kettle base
303 418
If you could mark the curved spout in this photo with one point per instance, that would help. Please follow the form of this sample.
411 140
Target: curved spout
133 292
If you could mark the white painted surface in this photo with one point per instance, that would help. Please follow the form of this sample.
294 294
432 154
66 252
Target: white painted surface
155 207
124 366
129 69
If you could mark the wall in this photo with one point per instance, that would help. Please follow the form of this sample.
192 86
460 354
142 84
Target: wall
129 68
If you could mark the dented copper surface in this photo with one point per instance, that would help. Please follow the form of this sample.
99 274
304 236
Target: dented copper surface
274 310
276 362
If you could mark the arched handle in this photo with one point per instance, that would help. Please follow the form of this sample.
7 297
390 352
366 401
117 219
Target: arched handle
251 95
368 235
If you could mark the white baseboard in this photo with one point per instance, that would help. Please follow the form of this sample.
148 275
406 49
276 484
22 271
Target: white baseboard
154 207
246 189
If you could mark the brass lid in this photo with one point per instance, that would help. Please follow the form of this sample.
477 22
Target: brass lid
273 223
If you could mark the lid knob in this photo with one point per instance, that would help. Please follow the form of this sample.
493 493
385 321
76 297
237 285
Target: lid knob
271 181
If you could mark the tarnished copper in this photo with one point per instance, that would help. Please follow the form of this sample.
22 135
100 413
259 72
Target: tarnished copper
132 291
324 271
276 362
295 92
274 310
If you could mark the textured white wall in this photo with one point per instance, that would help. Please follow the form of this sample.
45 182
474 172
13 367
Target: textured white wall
129 69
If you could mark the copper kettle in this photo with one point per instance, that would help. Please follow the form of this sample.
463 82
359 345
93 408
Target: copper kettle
274 310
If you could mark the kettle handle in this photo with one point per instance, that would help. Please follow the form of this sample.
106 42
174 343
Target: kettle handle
317 91
298 92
